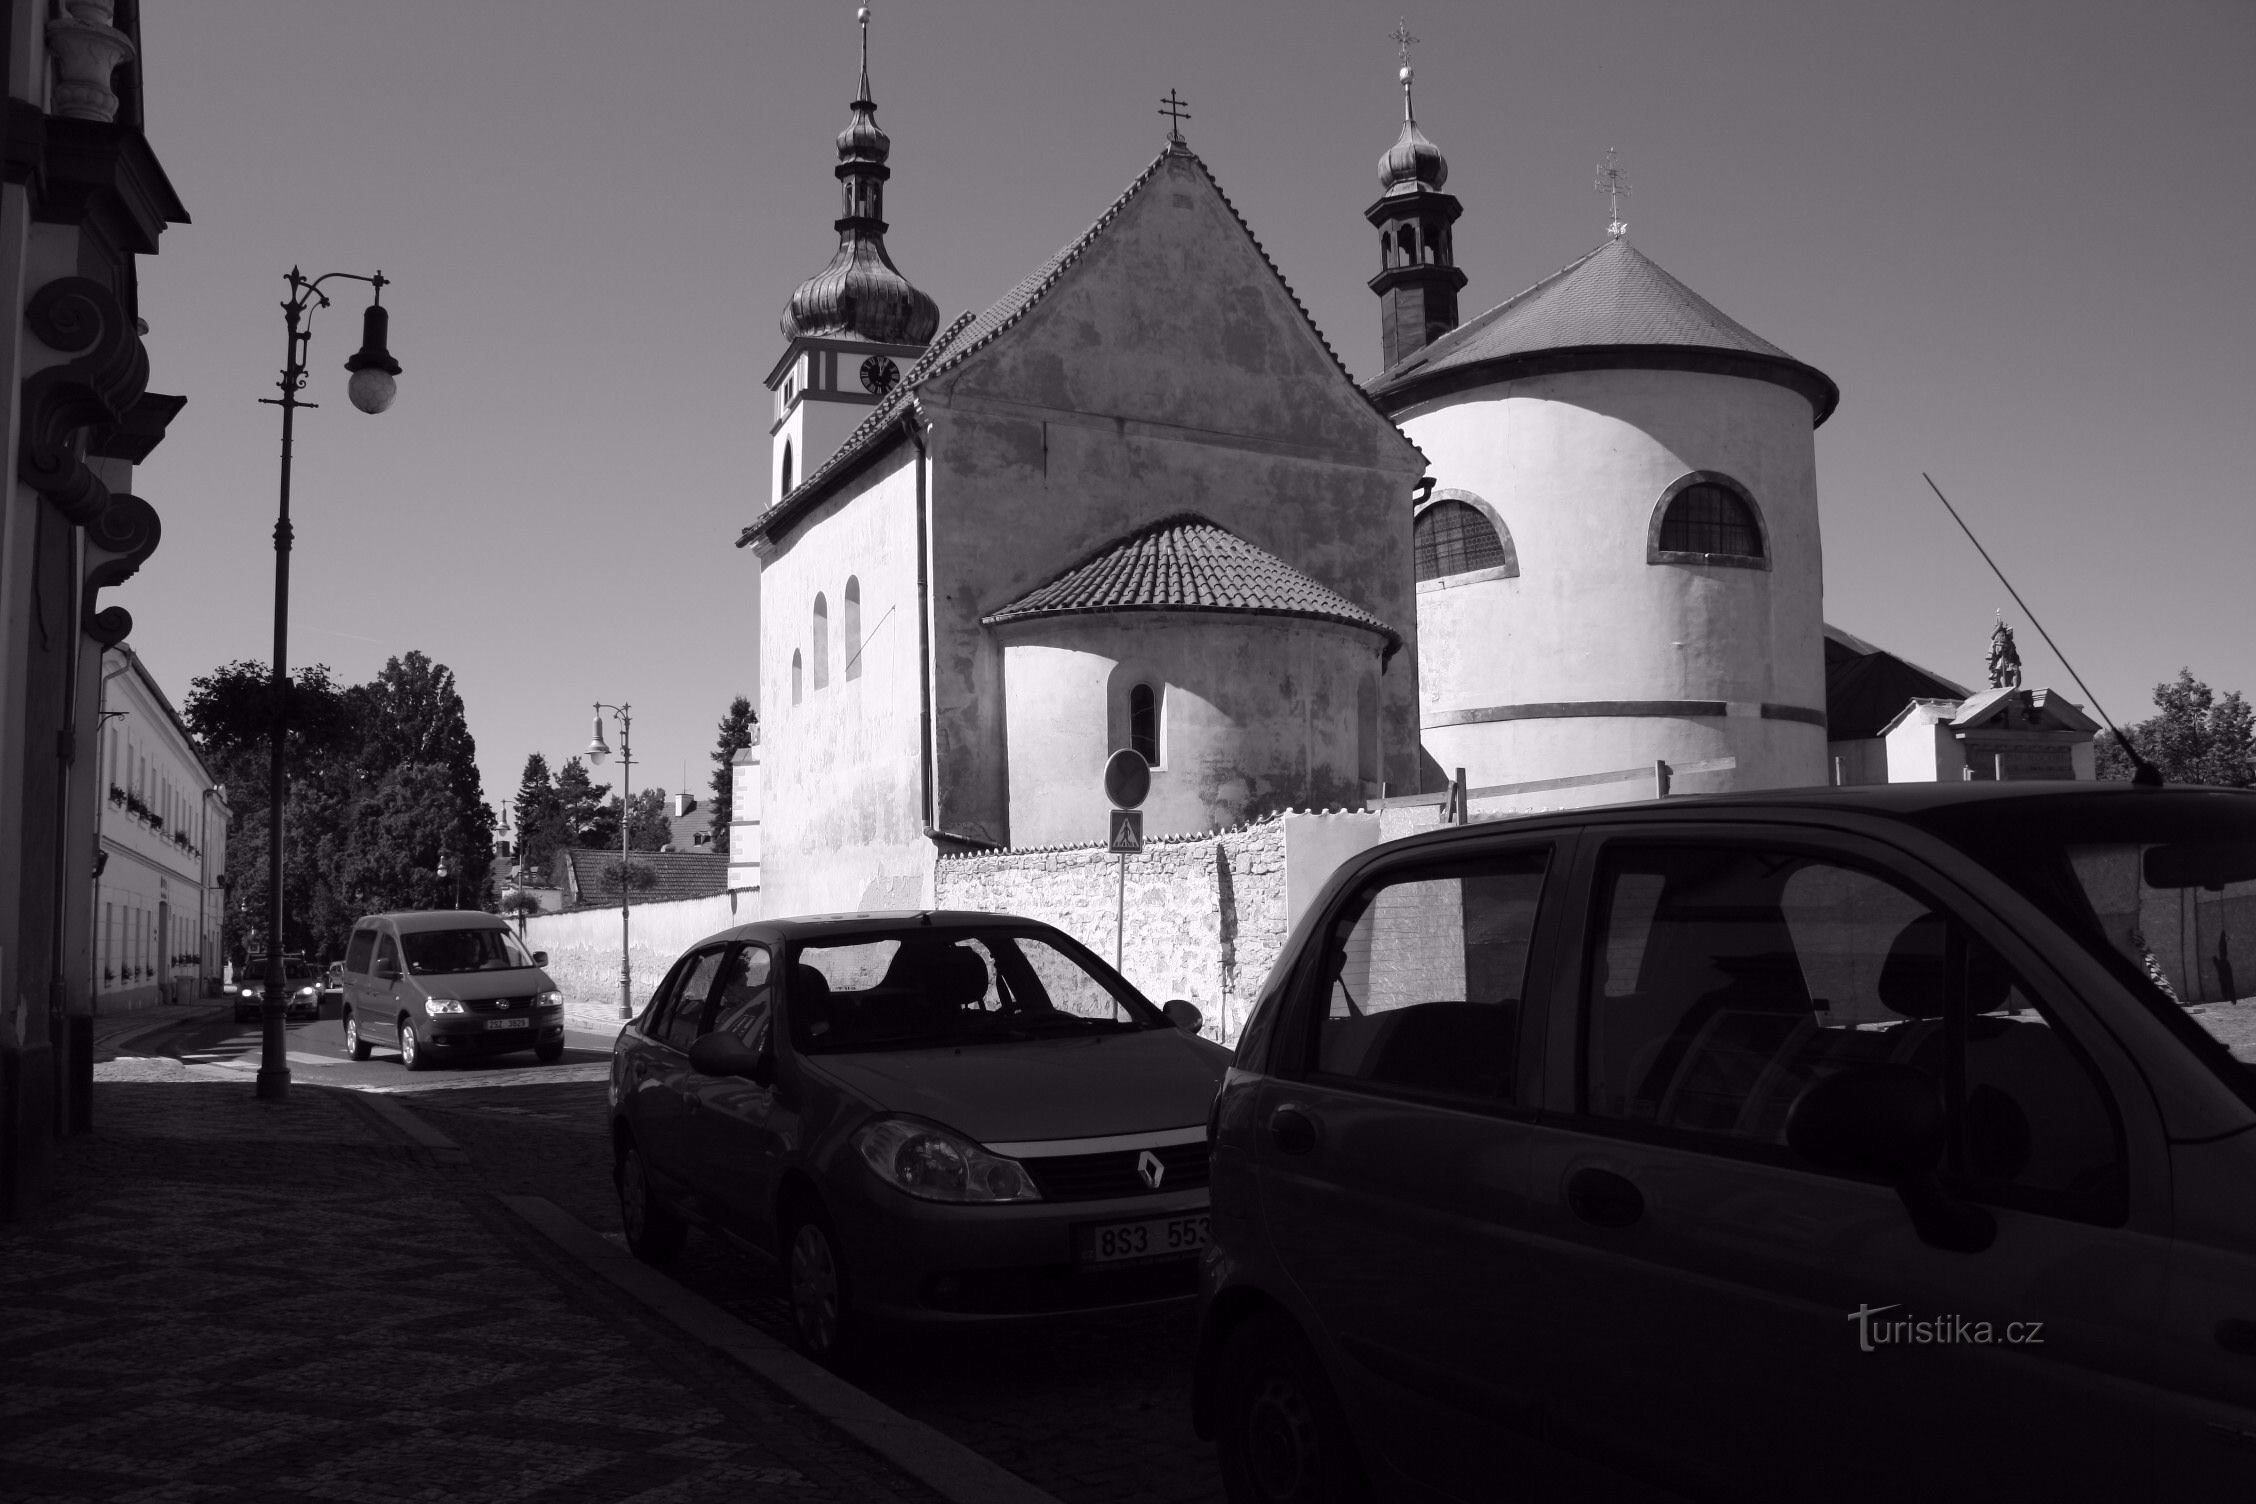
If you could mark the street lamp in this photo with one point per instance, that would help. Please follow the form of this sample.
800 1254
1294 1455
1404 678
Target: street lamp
371 390
597 751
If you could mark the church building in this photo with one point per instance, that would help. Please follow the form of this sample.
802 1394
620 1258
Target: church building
1137 502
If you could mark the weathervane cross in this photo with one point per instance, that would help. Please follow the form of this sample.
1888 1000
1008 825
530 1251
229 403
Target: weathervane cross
1172 108
1615 186
1402 39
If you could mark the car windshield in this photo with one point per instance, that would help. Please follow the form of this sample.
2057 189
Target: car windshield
918 988
2159 884
445 952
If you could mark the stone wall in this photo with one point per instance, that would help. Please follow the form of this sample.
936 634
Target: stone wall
583 945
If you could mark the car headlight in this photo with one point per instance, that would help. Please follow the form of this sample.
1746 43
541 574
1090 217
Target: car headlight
444 1005
549 1000
248 993
307 991
931 1163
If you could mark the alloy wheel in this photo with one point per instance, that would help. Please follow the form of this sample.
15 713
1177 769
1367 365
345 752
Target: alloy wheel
407 1045
1283 1450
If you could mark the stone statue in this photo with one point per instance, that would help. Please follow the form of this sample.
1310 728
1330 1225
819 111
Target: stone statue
2005 658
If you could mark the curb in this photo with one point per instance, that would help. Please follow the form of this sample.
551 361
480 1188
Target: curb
443 1149
945 1466
134 1033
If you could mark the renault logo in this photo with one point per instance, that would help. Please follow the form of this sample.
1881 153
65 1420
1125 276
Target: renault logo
1152 1171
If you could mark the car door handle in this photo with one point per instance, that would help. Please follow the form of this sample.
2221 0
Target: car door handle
1292 1130
1604 1199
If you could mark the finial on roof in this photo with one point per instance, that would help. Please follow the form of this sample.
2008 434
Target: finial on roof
1172 108
862 16
1615 185
1403 42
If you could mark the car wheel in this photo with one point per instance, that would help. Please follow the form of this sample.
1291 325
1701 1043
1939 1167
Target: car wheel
355 1046
412 1053
549 1051
1283 1438
822 1309
654 1234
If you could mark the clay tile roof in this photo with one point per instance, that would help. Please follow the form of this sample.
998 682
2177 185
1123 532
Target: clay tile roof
678 874
1187 563
1615 300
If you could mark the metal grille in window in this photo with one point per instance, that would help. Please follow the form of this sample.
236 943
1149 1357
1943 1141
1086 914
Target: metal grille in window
1710 519
1452 537
1143 723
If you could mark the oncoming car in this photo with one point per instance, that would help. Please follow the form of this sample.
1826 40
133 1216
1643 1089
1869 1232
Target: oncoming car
301 997
447 985
933 1117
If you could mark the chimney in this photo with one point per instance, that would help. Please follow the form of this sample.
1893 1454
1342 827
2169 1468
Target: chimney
683 804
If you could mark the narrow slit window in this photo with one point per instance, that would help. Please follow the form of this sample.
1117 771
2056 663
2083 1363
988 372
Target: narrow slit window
1143 723
853 626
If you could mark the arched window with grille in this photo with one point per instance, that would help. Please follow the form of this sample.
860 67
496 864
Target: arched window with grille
1456 534
853 625
821 644
1143 722
1708 518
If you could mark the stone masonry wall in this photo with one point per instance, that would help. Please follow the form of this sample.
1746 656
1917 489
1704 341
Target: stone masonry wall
583 944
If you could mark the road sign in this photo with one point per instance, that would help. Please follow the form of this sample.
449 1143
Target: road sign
1127 830
1127 778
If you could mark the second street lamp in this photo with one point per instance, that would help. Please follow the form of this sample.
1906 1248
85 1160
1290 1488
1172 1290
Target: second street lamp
371 390
598 750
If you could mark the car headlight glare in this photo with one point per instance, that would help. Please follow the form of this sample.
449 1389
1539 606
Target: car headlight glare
444 1005
933 1164
248 993
550 1000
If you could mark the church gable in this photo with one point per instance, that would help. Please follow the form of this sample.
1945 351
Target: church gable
1168 312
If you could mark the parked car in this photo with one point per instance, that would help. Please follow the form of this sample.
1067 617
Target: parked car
302 999
1815 1144
447 985
935 1117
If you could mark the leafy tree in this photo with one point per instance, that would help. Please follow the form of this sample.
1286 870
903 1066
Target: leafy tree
539 813
736 734
2197 737
411 713
589 817
637 875
649 827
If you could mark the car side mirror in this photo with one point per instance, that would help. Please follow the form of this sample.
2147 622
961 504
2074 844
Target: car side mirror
1887 1122
723 1054
1183 1014
540 958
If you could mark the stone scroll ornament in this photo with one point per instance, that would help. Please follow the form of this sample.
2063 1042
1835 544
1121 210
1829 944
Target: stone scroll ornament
107 374
117 542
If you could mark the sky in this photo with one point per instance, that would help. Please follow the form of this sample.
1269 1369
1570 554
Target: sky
2016 234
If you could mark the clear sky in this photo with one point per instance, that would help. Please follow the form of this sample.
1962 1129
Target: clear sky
2017 234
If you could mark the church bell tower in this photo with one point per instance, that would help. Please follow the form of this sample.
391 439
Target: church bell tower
855 326
1418 279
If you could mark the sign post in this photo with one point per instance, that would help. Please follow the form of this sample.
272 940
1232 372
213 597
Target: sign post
1127 779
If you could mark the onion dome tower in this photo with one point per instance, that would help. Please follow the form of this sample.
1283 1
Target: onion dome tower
1418 279
856 324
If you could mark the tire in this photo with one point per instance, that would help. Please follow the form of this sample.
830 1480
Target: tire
548 1052
355 1046
1282 1437
654 1234
412 1053
823 1325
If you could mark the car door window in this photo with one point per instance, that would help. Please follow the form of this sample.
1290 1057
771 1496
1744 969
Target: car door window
689 1013
740 1006
1421 978
387 956
359 949
1723 981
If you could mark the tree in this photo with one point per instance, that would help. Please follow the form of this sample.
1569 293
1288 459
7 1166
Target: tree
411 713
539 813
736 735
636 875
648 825
587 815
2197 737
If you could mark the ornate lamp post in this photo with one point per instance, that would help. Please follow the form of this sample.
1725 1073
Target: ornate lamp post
371 390
597 751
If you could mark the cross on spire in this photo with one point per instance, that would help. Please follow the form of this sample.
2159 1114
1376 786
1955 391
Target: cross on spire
1403 42
1172 108
1615 185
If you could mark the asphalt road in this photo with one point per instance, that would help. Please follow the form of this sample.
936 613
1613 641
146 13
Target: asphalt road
1094 1409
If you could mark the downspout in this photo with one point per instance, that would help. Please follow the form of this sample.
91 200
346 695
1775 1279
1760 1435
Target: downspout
915 430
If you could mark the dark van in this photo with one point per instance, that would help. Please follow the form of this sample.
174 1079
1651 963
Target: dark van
447 985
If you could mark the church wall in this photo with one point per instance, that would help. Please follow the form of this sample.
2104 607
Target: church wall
1256 715
1575 464
842 803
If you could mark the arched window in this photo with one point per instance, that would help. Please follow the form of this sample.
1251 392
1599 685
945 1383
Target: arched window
798 673
1707 518
853 626
785 489
1455 537
821 644
1406 240
1143 722
1386 249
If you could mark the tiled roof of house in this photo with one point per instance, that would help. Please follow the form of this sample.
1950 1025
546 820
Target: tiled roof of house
1866 687
972 332
1615 300
679 874
1187 563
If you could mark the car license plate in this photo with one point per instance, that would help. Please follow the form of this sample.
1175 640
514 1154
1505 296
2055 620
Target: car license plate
1158 1238
509 1023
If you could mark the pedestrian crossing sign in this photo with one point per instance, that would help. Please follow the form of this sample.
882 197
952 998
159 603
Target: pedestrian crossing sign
1128 831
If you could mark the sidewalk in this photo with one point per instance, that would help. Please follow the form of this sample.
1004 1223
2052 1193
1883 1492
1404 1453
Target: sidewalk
237 1299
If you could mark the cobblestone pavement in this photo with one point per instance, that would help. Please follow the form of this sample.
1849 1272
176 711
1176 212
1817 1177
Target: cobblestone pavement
1095 1410
232 1299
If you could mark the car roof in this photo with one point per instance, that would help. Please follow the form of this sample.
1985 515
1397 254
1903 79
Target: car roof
417 921
799 927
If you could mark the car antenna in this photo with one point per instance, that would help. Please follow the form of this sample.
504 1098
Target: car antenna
2144 774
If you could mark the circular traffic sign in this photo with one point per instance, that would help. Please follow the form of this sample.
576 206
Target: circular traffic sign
1127 778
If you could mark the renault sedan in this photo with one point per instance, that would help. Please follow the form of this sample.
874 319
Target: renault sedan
928 1117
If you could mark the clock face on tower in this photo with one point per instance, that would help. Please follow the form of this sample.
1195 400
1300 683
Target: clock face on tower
878 375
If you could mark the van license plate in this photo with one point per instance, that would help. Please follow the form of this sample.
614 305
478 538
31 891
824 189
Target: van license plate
509 1023
1120 1242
